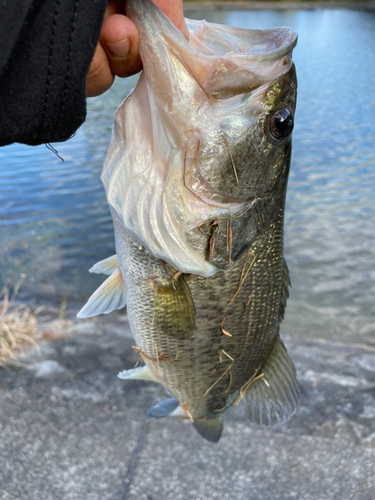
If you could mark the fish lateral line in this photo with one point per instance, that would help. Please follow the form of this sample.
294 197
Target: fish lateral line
229 240
246 304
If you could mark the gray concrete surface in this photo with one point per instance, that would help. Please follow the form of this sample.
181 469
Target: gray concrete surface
70 430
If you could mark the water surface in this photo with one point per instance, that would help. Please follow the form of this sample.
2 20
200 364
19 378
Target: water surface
55 222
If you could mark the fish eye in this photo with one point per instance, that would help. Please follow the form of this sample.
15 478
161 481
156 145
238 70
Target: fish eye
281 124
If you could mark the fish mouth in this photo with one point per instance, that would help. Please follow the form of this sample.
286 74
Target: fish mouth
269 44
224 62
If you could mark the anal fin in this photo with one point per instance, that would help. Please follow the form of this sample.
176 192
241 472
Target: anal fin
140 373
210 429
108 297
163 409
273 398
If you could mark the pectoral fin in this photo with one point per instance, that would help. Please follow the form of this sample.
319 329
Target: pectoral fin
108 297
209 429
273 398
106 266
163 409
174 308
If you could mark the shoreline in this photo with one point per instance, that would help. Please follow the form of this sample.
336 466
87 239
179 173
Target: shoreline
280 5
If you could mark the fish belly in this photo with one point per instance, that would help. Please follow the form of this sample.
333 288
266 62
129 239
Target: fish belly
207 338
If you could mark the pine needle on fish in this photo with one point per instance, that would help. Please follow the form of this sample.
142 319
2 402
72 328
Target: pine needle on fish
222 328
221 376
175 278
246 386
212 237
245 304
142 355
230 154
265 381
230 381
184 407
156 241
183 202
195 158
241 283
227 355
165 268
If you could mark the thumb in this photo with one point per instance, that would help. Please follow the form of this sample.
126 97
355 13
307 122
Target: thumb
119 39
173 9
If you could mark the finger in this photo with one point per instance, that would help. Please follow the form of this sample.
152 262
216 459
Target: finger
173 9
119 39
114 7
99 78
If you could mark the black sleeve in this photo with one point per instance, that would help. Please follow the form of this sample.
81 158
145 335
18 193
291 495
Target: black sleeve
46 49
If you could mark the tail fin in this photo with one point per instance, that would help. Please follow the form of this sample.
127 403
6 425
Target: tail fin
210 429
273 398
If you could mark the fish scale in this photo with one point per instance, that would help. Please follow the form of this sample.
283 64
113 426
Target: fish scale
196 177
188 374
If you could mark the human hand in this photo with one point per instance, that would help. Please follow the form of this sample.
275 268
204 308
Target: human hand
117 51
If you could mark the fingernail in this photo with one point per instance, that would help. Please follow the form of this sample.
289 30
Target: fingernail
121 48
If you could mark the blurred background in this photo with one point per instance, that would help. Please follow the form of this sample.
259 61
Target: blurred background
55 222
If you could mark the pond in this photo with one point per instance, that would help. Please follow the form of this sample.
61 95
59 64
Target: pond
55 222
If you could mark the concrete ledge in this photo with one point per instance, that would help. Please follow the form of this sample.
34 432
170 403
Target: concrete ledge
70 430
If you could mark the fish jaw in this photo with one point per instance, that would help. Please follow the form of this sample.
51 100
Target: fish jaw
174 170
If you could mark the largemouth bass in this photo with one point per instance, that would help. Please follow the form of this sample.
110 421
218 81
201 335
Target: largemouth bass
196 177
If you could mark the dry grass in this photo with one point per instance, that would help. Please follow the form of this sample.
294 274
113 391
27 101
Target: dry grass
18 328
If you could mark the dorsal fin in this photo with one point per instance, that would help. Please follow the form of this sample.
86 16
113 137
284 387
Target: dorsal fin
108 297
163 409
210 429
140 373
106 266
273 398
